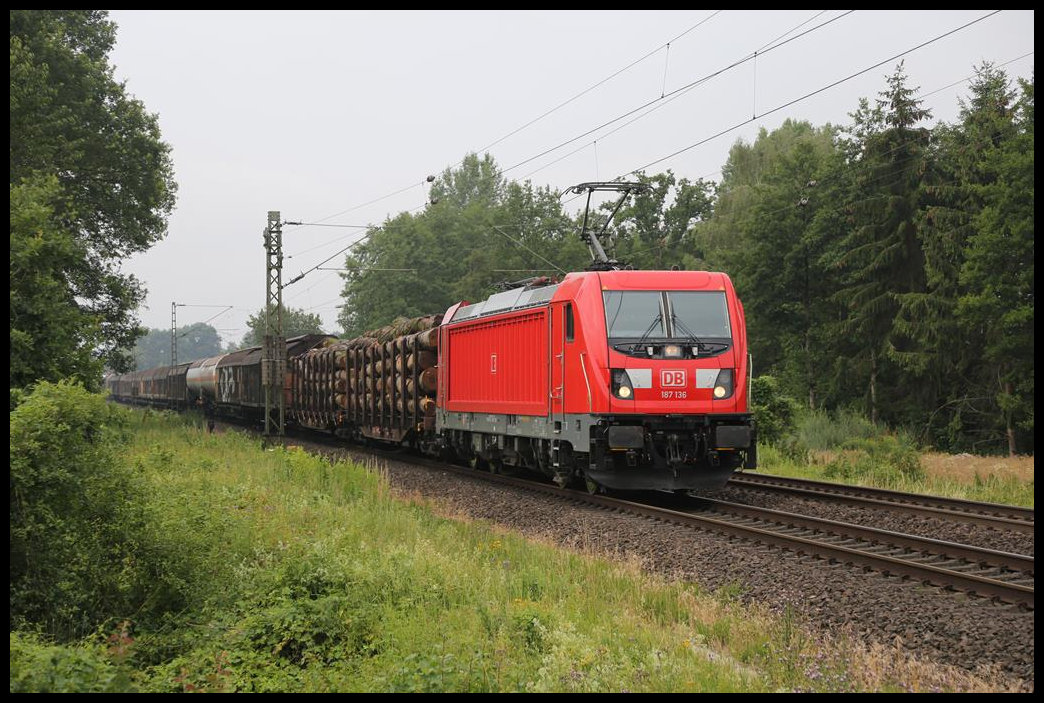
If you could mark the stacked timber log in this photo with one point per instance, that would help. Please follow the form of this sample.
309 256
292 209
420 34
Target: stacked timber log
393 381
402 327
314 393
383 382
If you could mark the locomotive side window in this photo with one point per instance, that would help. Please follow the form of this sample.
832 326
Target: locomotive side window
569 322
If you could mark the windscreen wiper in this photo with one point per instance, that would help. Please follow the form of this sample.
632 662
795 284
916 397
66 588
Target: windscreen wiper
645 335
677 323
693 339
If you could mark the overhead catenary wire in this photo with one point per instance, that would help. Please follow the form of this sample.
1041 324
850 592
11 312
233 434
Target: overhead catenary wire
527 124
810 94
899 146
227 308
601 82
760 51
686 87
655 105
669 96
519 243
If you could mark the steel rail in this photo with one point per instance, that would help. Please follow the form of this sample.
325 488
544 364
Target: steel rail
1007 517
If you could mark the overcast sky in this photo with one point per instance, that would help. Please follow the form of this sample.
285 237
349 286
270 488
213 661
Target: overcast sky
338 117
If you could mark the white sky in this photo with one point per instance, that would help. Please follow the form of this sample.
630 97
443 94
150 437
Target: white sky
316 114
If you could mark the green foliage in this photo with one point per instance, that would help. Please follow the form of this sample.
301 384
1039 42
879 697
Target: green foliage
774 411
769 231
89 540
96 187
880 256
303 574
477 230
40 667
885 459
822 431
51 338
70 513
296 322
997 277
887 266
655 229
435 672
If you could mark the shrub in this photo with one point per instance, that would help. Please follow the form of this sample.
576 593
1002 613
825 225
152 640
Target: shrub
41 667
824 432
889 459
69 506
773 410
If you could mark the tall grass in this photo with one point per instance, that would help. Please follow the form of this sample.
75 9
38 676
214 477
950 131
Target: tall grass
820 431
848 448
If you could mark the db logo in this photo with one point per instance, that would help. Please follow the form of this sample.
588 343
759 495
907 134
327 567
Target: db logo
672 378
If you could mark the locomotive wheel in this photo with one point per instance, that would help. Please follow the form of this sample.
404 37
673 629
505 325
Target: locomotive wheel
478 463
592 486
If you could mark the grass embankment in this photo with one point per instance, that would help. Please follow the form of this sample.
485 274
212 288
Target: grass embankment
849 449
309 575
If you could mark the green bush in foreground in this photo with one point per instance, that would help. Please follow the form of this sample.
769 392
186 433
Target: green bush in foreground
93 541
70 510
774 411
40 667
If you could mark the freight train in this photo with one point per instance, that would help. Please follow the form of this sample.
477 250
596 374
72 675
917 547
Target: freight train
613 379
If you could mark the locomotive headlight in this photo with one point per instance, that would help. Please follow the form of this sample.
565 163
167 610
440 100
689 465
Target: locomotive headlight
621 386
723 384
672 351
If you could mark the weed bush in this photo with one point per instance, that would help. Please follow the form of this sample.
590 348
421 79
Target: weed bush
774 411
820 431
38 666
70 512
92 542
887 458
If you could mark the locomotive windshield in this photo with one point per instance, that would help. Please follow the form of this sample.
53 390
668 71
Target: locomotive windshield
645 322
633 314
702 312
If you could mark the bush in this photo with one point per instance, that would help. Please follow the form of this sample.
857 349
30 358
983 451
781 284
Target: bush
69 506
773 410
41 667
887 458
823 432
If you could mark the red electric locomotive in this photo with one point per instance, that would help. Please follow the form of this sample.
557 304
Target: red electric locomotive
624 379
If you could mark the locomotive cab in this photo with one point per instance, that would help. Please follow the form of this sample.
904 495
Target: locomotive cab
626 380
678 380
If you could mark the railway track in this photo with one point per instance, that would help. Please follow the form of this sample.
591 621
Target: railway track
986 572
1005 517
951 566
